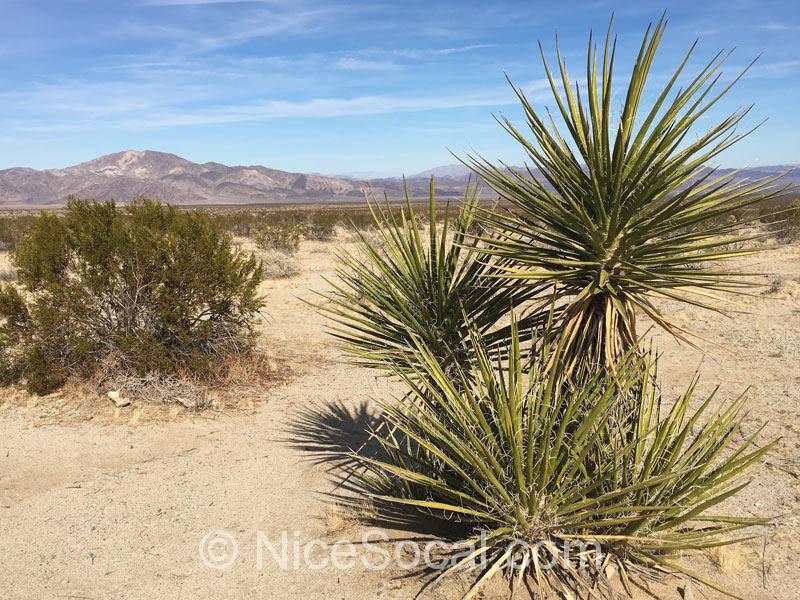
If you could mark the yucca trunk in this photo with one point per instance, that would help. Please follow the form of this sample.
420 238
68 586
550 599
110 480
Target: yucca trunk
598 329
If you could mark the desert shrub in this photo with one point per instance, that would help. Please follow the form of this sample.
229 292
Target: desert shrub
792 229
158 289
320 232
783 221
240 222
282 236
279 265
525 465
13 228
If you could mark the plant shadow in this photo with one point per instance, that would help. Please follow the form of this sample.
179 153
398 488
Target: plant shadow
334 433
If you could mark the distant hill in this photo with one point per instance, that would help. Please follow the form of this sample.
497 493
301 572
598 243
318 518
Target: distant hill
127 175
456 171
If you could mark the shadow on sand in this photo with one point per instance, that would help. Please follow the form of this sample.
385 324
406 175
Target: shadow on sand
334 433
331 433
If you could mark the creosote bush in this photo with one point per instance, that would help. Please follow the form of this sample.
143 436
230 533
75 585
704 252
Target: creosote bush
320 231
13 228
156 289
282 236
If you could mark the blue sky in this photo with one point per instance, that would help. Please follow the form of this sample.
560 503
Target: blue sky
344 87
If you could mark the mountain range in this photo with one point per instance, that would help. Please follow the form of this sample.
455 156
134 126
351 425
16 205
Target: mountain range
127 175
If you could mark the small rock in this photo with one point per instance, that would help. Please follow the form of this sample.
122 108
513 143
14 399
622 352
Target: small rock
686 592
118 399
185 402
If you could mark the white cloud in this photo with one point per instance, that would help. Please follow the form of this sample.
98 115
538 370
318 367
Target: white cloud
420 53
352 63
75 105
779 27
234 27
320 108
66 112
774 69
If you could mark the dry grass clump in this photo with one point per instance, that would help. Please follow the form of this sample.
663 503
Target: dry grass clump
279 265
338 518
730 559
369 235
233 377
341 517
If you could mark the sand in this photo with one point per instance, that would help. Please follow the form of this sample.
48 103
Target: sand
100 502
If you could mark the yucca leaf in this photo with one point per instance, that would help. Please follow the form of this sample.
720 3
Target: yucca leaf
622 219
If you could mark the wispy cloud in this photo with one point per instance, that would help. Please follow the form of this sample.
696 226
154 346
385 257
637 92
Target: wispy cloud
267 23
70 100
420 53
201 2
780 27
320 108
774 69
73 107
247 22
52 110
360 64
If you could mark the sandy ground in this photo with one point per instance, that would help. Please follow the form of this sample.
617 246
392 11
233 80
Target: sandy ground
98 502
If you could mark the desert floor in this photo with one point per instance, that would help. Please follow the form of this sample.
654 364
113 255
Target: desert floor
105 502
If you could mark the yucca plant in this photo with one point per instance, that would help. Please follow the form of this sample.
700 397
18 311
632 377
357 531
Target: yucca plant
533 461
617 208
410 285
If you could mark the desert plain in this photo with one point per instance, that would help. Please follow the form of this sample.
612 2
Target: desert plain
100 501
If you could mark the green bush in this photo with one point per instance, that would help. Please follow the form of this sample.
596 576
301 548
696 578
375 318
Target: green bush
154 288
282 236
783 221
13 228
320 232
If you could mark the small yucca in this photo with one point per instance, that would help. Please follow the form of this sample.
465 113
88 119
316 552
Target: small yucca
532 459
410 285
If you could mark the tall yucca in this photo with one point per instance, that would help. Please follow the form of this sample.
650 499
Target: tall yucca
531 458
411 285
623 207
